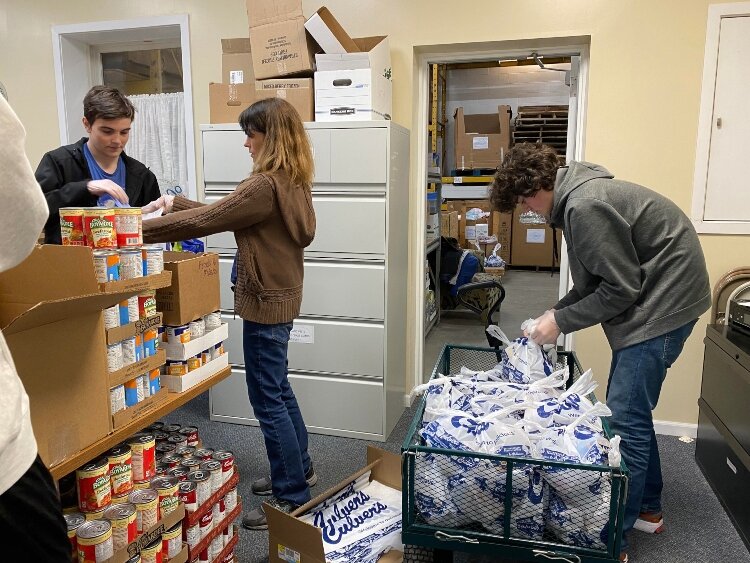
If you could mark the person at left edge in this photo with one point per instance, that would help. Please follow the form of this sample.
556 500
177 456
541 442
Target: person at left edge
95 167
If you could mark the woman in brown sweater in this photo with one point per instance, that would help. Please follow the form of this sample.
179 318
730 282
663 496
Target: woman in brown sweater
272 217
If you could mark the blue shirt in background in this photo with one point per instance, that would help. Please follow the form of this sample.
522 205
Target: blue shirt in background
97 173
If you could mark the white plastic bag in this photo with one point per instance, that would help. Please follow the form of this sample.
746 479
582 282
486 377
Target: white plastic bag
524 361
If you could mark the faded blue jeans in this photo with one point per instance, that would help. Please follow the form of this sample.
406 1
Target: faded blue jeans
276 408
635 380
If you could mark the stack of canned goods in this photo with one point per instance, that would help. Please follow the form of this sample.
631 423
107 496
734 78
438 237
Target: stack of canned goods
183 334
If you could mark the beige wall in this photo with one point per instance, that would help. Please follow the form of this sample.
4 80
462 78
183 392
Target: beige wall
643 97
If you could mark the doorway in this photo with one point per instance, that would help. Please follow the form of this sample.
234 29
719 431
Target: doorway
551 74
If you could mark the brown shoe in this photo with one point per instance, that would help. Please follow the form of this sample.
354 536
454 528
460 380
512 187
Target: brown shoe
624 557
650 522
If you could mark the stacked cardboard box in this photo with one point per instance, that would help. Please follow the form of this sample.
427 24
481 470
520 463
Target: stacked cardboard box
230 97
481 140
532 243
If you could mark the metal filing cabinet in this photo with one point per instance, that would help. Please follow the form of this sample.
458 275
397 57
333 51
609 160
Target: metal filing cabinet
349 372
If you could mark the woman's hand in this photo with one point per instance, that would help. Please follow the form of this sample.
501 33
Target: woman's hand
164 203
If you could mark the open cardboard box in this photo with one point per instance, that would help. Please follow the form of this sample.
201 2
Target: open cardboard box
51 315
290 539
194 291
329 34
123 555
120 333
180 383
196 345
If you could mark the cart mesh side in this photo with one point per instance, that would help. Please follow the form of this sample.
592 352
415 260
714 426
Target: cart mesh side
507 505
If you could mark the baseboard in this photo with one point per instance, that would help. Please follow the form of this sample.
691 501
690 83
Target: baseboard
407 401
668 428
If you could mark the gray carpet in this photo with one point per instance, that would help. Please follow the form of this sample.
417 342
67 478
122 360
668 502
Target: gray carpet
698 530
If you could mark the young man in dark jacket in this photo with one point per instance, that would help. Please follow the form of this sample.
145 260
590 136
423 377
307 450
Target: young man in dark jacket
95 170
638 270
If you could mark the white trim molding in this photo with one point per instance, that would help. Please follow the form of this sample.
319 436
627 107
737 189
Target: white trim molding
668 428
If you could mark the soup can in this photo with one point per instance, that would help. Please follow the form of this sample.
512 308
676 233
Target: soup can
212 321
185 451
112 317
114 357
168 498
141 485
133 393
120 499
137 559
144 456
145 384
178 334
227 464
194 363
172 541
177 439
179 471
191 434
128 351
191 462
176 367
215 547
230 500
206 357
152 553
146 502
98 515
153 259
158 425
147 304
165 447
73 521
117 399
106 265
203 481
222 508
71 226
129 226
206 523
191 535
187 492
171 428
94 488
139 347
228 533
154 381
122 517
94 541
217 513
99 227
214 468
129 310
121 469
149 342
197 328
131 265
204 454
171 460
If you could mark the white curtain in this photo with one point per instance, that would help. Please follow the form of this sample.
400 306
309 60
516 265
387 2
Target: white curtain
157 138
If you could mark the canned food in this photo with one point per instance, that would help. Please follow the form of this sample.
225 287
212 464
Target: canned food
204 454
147 304
218 350
230 500
128 351
203 481
98 515
99 227
178 334
197 328
191 535
158 425
176 367
139 354
222 508
165 447
161 469
129 310
114 357
71 226
206 356
117 399
154 381
194 363
206 523
171 428
214 468
187 492
121 499
191 434
215 547
137 559
160 435
133 392
191 462
217 513
144 456
129 226
172 542
168 498
177 439
112 317
171 460
212 321
94 541
153 259
227 464
149 342
143 381
146 502
180 472
152 553
185 451
120 460
122 517
94 489
204 556
131 265
228 533
73 521
141 485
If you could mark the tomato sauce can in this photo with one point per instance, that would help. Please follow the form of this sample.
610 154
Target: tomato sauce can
166 487
202 479
131 265
129 226
191 433
227 464
99 227
152 553
121 469
122 517
106 265
144 456
71 226
172 542
146 502
187 492
94 489
214 469
73 521
94 539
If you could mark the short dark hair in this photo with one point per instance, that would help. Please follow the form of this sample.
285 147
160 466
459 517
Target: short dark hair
105 102
526 169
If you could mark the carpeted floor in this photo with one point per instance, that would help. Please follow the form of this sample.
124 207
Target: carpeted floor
698 530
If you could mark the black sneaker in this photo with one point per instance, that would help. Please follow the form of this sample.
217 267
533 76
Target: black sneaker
256 518
263 486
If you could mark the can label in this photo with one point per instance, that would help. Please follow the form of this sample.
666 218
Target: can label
99 228
114 357
121 473
117 399
128 351
106 266
194 363
133 396
71 226
150 337
230 500
112 317
144 459
95 552
122 517
153 260
206 523
188 494
192 535
152 553
172 541
147 304
177 368
129 226
131 265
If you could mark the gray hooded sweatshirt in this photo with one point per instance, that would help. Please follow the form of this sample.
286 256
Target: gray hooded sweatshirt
635 258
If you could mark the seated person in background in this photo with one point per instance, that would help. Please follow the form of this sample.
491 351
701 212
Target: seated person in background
95 170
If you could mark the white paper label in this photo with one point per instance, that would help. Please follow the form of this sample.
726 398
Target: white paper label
471 232
236 77
458 180
303 334
288 554
480 143
482 230
535 236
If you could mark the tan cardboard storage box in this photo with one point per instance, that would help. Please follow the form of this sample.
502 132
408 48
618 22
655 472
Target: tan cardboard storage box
297 91
195 287
236 61
469 229
481 139
329 34
227 101
300 542
532 243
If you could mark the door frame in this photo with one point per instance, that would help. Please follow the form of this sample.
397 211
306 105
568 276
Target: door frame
424 56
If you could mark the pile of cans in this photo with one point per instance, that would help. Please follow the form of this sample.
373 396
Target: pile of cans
183 334
137 483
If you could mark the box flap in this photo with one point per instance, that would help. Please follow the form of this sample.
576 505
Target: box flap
374 53
388 470
261 12
367 44
329 33
482 123
235 45
286 532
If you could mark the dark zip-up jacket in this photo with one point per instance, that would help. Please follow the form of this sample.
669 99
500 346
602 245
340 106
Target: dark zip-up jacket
63 175
635 259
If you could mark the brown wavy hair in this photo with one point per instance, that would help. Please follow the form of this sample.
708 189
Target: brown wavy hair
526 169
105 102
286 146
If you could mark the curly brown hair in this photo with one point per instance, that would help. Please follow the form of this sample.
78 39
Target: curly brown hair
105 102
526 169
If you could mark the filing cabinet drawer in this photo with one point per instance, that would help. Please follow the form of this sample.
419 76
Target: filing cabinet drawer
344 289
349 225
225 158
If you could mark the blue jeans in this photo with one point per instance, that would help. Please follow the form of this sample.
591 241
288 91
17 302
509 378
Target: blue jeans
635 381
276 408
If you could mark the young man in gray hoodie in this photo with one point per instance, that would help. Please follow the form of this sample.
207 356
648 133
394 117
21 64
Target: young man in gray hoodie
638 270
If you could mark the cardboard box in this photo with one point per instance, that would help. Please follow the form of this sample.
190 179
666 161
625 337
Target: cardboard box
449 224
374 53
352 95
195 287
532 243
181 383
120 333
51 314
502 224
329 34
227 101
237 61
129 414
297 91
196 345
469 229
290 539
262 12
170 520
481 140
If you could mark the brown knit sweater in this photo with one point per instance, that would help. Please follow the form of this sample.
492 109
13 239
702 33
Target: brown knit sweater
273 221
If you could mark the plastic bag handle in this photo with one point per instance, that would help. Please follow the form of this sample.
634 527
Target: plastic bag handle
555 379
583 386
494 330
599 409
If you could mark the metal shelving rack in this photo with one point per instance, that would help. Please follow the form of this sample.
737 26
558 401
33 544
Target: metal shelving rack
432 254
